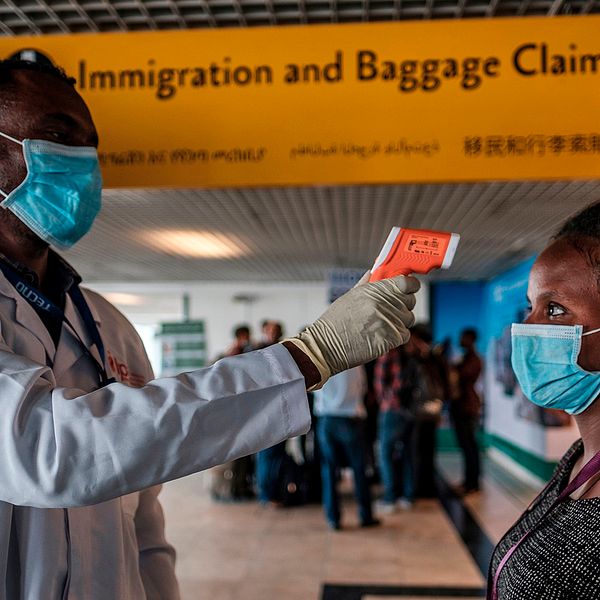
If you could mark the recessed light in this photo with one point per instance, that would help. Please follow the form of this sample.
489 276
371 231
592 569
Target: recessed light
124 299
193 244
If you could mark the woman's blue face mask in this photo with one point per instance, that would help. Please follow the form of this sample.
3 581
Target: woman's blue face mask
544 359
61 194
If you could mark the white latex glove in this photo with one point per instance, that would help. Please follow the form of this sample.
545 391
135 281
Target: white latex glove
360 326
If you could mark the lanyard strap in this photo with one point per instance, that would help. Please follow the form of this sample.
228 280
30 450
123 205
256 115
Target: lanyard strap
41 303
88 319
589 471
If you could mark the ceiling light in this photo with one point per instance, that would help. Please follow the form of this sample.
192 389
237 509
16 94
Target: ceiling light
124 299
193 244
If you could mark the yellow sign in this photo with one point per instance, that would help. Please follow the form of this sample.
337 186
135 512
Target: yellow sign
471 100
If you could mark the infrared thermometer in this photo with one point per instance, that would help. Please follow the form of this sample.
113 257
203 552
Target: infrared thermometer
408 251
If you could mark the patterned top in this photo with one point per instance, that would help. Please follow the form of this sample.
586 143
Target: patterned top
561 559
392 380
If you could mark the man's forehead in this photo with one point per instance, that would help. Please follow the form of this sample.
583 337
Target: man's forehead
34 87
35 98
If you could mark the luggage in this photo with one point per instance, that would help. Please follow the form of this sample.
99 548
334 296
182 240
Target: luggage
233 481
293 488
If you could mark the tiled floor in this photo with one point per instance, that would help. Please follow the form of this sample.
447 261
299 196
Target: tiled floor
245 552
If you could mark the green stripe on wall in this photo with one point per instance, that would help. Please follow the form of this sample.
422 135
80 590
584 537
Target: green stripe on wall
538 466
446 442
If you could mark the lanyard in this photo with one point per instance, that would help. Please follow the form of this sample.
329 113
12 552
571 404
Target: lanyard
589 471
41 303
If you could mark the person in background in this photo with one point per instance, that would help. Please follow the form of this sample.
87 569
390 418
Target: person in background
372 408
392 383
272 333
264 324
465 411
242 341
233 481
429 387
340 430
270 462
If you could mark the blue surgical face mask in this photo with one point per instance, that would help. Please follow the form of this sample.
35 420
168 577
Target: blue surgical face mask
61 195
544 359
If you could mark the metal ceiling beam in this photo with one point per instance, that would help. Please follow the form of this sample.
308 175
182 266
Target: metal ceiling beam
556 7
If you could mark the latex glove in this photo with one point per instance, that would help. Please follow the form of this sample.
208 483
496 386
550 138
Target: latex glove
360 326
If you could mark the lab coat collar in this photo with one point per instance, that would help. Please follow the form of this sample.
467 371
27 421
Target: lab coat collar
24 313
68 352
26 316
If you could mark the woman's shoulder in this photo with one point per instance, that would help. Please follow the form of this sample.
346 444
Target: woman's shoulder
567 462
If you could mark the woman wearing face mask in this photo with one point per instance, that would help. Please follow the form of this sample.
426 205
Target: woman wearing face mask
553 551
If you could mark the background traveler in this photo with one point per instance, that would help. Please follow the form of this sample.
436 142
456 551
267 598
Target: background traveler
235 480
242 341
341 433
465 411
393 383
428 388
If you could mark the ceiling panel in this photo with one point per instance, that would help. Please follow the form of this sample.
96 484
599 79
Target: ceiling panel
299 233
25 17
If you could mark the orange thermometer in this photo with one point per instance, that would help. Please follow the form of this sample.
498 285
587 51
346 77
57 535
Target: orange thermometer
409 251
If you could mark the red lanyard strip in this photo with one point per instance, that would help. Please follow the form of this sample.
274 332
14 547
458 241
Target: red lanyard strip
591 469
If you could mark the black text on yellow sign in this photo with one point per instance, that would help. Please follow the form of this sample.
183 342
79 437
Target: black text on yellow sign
370 103
409 75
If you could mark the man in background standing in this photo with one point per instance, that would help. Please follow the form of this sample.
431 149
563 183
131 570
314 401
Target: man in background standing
393 384
270 463
242 341
340 431
465 411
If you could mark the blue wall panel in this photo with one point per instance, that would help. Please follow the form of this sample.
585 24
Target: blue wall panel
454 306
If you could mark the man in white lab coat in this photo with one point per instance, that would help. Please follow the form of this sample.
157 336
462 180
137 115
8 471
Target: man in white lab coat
86 433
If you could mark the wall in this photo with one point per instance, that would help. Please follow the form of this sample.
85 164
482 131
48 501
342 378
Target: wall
454 307
294 304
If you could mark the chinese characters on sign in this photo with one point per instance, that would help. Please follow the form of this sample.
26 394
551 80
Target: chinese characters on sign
500 146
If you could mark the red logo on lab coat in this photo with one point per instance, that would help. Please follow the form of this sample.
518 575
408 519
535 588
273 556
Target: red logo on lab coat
122 372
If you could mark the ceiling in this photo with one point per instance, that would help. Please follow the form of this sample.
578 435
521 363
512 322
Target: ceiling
298 234
24 17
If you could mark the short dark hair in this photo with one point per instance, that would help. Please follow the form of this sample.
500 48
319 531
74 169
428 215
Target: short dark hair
470 332
585 223
582 231
242 330
10 65
423 332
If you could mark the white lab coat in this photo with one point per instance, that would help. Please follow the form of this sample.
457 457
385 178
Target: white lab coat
73 458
